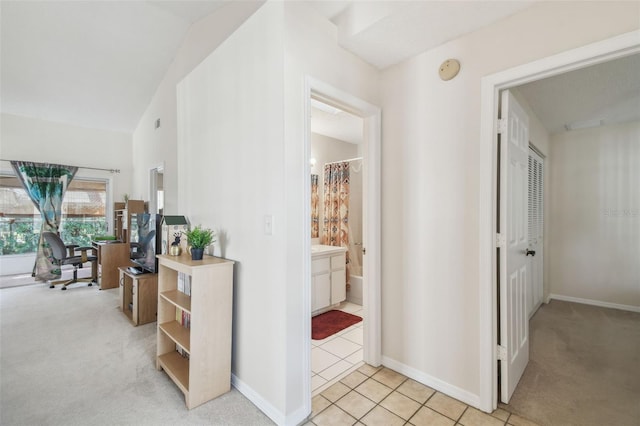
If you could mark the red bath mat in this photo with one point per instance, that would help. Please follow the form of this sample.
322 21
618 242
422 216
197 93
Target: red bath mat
329 323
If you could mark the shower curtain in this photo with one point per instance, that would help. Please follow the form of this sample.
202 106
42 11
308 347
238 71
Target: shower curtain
315 216
335 230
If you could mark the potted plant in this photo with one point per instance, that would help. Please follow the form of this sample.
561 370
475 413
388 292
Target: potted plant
199 238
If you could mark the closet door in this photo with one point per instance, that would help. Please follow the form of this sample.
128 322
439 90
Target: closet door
536 227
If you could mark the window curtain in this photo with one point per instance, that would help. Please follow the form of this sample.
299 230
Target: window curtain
46 185
315 200
335 231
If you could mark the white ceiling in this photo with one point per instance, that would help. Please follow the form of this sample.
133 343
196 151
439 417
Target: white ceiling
336 123
97 64
387 32
602 94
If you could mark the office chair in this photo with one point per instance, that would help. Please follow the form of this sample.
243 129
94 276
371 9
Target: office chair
139 249
66 255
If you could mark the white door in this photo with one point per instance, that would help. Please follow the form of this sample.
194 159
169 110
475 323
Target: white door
514 324
535 228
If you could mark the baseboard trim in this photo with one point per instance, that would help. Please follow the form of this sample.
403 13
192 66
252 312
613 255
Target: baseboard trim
295 418
435 383
599 303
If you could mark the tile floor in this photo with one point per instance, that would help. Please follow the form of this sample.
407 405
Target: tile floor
380 396
337 355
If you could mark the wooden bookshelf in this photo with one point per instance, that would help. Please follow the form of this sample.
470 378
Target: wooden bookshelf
122 218
203 370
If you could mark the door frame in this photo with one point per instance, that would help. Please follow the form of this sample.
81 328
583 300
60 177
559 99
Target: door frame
371 219
491 85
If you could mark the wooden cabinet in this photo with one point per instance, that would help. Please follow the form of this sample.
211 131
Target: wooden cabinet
111 255
197 358
122 218
328 277
138 296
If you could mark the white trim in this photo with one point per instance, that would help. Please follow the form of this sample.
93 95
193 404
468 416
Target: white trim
152 196
269 410
602 51
630 308
433 382
306 263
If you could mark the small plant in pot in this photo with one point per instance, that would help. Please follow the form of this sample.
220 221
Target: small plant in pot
199 238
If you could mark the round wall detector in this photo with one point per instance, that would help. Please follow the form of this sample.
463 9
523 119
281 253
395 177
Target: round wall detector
449 69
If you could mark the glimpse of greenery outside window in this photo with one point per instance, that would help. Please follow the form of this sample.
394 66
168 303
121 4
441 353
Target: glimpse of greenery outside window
83 215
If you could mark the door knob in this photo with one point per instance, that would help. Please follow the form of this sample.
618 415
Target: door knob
530 252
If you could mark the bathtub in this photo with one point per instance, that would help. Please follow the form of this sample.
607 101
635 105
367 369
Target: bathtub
354 295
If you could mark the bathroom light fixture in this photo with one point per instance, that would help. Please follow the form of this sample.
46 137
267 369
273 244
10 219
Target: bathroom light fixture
312 161
577 125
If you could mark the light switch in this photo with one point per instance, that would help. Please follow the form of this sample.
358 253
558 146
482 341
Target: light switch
268 224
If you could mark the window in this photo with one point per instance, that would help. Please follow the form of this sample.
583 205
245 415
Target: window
83 215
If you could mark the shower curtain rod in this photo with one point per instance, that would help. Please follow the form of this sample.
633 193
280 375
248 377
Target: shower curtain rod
345 161
80 167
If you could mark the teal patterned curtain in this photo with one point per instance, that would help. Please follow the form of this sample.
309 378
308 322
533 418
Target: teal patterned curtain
46 185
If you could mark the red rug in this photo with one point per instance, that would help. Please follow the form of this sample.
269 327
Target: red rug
329 323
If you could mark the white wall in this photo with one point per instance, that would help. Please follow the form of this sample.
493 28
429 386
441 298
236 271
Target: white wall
31 139
230 169
153 147
240 157
595 212
327 150
430 186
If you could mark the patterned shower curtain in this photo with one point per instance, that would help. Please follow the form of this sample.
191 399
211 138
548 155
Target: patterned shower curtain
335 231
46 185
315 215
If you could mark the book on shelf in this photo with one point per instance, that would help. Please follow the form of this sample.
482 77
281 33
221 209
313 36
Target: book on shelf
184 283
183 317
183 353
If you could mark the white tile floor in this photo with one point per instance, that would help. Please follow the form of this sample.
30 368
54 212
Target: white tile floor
336 356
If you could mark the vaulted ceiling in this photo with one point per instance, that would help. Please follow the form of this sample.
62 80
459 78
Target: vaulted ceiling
98 63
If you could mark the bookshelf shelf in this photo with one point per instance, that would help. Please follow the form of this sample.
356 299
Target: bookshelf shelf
177 368
178 334
178 299
195 353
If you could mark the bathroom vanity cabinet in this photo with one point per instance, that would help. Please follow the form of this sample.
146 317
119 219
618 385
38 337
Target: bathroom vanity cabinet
328 277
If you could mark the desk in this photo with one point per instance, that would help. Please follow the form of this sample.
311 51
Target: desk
111 255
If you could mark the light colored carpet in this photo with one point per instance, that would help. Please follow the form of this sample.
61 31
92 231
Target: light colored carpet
71 357
8 281
584 367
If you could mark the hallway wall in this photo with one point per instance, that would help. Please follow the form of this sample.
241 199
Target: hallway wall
431 168
595 215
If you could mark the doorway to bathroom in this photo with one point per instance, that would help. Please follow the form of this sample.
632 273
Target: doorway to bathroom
342 151
336 163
